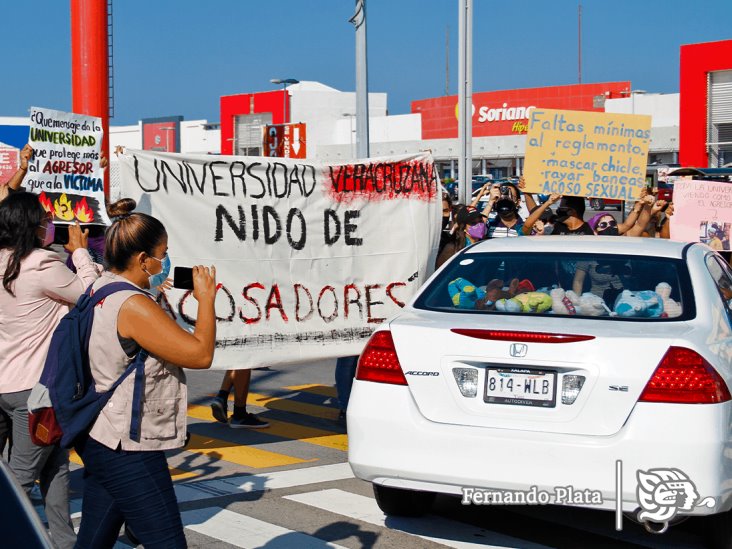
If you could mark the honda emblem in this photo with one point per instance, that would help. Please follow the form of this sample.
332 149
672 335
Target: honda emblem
518 350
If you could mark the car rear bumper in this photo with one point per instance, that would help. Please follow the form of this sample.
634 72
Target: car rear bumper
392 444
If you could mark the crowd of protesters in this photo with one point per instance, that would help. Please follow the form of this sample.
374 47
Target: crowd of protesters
463 225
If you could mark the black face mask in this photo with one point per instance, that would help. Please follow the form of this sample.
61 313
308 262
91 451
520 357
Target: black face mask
610 231
505 207
445 223
562 214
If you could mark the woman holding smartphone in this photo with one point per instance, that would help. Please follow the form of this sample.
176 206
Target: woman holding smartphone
126 479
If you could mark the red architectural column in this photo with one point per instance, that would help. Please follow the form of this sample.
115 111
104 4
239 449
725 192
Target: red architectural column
697 60
89 65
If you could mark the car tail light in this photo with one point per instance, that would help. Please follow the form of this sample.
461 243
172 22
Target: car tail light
684 376
379 361
528 337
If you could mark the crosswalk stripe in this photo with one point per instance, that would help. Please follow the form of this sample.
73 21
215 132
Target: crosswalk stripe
284 429
436 529
234 452
323 390
259 482
247 532
289 405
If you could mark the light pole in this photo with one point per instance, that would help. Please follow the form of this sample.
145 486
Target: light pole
284 82
465 100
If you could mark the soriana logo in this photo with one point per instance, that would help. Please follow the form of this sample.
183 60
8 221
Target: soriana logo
507 112
487 114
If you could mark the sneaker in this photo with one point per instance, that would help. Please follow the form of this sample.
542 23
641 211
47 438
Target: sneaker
249 421
220 409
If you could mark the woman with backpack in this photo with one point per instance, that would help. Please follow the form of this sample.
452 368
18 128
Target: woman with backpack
126 476
37 289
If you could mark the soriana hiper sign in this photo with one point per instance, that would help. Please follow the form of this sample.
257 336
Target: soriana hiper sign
310 257
507 112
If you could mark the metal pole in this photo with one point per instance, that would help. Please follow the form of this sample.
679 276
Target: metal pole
362 85
284 103
90 65
579 42
465 100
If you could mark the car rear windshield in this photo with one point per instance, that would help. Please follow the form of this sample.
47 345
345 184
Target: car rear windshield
619 287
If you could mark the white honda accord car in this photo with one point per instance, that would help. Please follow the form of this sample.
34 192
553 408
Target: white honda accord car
581 371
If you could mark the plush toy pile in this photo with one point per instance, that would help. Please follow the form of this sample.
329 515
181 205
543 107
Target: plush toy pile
520 296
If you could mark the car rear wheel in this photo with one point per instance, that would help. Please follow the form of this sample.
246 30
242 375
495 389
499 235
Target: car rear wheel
718 531
402 503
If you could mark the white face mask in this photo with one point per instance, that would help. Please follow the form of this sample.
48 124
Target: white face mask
49 235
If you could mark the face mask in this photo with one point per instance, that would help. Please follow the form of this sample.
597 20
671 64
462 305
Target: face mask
477 231
562 214
610 231
505 207
157 279
445 222
49 236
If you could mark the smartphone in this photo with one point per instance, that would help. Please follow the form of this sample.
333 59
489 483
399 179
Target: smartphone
183 278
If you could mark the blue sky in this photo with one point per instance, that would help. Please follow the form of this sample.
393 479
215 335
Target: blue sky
179 57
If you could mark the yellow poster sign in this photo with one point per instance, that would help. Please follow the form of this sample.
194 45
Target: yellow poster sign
590 154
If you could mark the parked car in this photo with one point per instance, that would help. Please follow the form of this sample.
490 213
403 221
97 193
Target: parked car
549 389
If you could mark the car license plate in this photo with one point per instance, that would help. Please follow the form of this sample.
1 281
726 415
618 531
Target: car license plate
521 387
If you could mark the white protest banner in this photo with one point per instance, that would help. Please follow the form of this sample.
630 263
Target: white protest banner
702 212
590 154
65 169
310 257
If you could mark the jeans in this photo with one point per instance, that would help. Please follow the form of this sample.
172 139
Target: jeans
345 371
48 464
127 487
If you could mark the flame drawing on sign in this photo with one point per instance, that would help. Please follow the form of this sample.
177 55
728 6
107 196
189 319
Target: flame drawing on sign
83 212
62 206
46 203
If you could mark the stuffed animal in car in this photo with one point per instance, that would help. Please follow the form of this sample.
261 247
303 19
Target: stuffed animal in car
534 302
642 304
671 308
564 303
591 305
464 294
512 305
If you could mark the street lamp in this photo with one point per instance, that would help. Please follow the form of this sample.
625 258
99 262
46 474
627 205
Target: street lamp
284 82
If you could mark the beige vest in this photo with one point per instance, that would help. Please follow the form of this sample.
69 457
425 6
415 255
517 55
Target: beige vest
165 395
